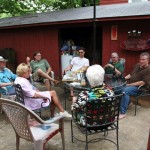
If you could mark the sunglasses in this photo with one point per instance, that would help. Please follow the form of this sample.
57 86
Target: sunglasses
80 52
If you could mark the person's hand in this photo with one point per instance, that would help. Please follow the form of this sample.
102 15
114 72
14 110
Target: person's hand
28 59
109 65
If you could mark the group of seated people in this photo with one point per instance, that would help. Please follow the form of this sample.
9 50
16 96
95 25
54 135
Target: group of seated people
140 76
40 69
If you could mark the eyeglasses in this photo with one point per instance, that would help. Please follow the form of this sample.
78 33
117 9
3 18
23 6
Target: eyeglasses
80 52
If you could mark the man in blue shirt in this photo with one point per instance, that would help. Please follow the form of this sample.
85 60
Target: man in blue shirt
6 78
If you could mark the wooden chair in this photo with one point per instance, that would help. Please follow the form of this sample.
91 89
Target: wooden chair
20 98
98 116
34 130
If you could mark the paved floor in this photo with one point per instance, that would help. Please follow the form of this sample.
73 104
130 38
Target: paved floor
133 133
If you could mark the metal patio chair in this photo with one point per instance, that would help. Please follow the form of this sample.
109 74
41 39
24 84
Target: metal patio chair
20 98
142 93
29 126
98 116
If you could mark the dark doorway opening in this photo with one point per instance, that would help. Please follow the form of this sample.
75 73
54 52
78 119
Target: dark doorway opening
83 37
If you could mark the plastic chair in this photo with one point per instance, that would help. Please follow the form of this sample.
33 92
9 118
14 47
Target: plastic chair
20 98
96 116
142 93
34 130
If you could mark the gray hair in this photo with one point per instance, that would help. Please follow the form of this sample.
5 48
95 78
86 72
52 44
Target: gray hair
95 75
115 54
145 54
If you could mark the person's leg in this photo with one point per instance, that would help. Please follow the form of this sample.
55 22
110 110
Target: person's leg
45 75
56 102
47 84
128 91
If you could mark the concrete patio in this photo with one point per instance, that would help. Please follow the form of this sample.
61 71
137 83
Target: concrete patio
133 132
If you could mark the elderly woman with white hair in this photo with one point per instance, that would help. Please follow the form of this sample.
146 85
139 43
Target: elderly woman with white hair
114 66
32 97
95 77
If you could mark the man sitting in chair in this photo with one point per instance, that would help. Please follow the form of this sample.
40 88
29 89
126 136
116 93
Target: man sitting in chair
79 63
41 70
6 78
140 76
114 66
95 77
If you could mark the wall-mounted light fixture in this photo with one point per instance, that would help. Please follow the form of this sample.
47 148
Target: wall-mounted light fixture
134 34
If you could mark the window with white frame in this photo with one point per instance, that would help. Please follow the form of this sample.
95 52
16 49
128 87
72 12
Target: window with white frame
133 1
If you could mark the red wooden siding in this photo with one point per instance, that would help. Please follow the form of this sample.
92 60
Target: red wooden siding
107 2
25 41
109 46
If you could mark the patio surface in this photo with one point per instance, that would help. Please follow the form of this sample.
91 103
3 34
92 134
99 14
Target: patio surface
133 132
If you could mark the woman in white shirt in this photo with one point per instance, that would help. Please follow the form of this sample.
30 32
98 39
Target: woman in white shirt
23 72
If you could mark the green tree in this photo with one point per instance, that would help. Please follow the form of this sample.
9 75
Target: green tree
10 8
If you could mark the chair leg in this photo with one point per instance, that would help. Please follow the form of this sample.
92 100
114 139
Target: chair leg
86 146
17 142
38 145
136 103
63 138
65 90
117 139
71 132
61 126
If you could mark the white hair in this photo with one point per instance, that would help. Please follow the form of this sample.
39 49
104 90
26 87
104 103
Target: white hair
95 75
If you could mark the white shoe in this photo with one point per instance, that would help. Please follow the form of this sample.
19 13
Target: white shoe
66 114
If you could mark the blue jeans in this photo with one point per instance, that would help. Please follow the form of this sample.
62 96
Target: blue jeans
129 91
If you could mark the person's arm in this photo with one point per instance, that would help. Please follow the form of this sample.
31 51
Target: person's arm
138 83
36 95
127 77
49 70
68 68
28 62
48 67
6 84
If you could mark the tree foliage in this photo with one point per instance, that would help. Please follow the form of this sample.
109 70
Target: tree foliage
10 8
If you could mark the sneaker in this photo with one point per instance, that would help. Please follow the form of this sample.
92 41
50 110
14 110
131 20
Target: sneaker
66 114
121 116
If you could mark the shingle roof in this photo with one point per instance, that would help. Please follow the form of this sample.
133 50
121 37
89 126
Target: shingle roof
104 11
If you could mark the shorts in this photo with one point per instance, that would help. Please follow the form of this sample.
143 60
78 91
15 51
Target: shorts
37 78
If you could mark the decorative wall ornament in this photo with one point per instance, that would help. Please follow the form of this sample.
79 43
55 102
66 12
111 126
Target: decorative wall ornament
114 32
135 41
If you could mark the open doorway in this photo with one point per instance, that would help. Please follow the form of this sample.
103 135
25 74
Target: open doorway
83 37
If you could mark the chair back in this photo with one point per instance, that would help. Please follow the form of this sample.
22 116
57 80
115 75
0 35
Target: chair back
18 116
122 61
19 94
99 112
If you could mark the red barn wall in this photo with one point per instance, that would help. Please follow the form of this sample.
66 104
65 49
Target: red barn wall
110 46
25 41
108 2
